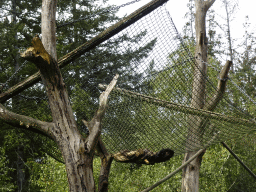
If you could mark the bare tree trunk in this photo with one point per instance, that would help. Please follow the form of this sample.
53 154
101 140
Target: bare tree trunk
190 177
228 33
48 27
77 151
77 159
106 161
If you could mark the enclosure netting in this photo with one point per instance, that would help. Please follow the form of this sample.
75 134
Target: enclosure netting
150 106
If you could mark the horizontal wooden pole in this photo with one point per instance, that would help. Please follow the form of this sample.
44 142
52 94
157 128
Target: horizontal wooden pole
103 36
111 31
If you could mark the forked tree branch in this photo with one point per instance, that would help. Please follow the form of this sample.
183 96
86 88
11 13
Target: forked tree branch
208 4
216 98
101 149
106 161
95 123
94 140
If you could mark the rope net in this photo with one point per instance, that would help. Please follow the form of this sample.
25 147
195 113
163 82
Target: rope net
150 107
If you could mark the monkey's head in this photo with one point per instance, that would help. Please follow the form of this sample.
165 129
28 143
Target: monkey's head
164 155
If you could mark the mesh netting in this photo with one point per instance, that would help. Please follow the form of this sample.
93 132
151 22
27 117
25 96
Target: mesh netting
145 115
150 108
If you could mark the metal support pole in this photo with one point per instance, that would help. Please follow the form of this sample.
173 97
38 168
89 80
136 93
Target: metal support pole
238 159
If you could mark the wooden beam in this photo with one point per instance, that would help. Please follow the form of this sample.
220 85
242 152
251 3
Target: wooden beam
103 36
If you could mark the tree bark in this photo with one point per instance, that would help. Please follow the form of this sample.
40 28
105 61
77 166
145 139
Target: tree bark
70 141
48 26
106 161
190 176
77 151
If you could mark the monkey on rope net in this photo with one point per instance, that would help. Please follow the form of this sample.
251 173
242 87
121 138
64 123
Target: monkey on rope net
144 156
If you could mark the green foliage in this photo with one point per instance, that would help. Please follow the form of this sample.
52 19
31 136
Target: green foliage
16 34
47 175
239 179
5 179
213 171
219 172
19 145
132 178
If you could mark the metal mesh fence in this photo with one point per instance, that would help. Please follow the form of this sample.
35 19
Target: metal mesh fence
150 108
136 121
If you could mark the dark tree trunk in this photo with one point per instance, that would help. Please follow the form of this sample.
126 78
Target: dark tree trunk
20 149
20 168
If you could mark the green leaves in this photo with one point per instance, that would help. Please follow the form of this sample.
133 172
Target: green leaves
132 178
5 180
48 174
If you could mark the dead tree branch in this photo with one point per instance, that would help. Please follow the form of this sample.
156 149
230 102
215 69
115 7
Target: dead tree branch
95 123
208 4
25 122
223 77
93 140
